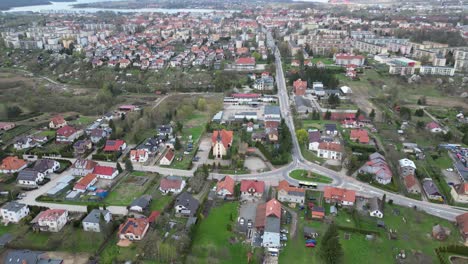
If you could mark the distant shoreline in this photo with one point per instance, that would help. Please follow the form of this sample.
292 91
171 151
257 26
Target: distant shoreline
8 5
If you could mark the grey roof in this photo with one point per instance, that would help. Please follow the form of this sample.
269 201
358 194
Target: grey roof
314 136
272 110
5 239
22 256
186 200
430 188
302 102
309 230
93 216
142 201
294 193
374 204
13 206
330 127
247 113
151 144
42 165
272 224
27 175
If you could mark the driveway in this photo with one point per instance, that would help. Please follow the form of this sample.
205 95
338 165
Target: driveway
292 231
203 151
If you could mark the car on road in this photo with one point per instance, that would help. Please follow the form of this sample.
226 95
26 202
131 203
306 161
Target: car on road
249 223
241 221
284 231
449 169
196 158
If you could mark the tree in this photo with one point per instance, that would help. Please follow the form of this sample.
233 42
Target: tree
128 165
201 104
365 177
372 114
327 115
419 112
13 111
177 145
333 100
119 167
302 136
331 251
419 125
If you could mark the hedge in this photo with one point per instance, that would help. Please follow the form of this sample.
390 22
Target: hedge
358 230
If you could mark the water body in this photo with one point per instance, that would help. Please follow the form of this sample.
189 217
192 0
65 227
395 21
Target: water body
68 7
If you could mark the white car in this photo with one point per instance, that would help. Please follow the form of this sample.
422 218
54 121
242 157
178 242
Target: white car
241 221
449 169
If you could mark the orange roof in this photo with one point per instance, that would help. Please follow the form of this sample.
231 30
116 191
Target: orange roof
284 185
227 183
57 120
135 226
330 146
410 181
462 222
84 182
359 134
12 163
339 194
273 208
169 155
224 136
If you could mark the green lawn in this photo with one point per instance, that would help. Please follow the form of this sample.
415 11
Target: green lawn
444 161
303 175
16 131
83 120
112 252
211 239
47 133
311 156
127 190
160 201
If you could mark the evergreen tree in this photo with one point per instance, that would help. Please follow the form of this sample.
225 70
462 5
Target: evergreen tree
128 165
119 168
372 114
331 251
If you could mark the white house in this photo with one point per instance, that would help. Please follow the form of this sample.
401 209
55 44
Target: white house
375 209
14 212
139 155
30 177
407 167
92 222
52 220
330 150
105 172
167 158
225 187
314 140
172 184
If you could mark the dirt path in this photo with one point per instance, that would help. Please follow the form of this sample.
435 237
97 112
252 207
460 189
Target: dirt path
294 222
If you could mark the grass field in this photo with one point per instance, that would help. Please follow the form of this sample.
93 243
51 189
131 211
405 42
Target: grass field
303 175
211 240
16 131
47 133
311 156
128 189
112 252
160 201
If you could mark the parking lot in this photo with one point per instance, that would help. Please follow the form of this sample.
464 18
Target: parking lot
231 109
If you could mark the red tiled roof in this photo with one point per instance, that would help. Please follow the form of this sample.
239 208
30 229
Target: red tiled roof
246 95
339 194
113 145
135 226
410 181
50 214
432 125
284 185
167 184
258 186
66 131
224 135
245 61
12 163
84 182
104 170
169 155
227 183
462 222
273 208
330 146
359 134
57 120
153 216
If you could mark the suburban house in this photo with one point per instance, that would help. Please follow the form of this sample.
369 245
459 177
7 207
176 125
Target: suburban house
57 122
93 221
290 194
221 141
462 224
317 212
330 150
29 142
406 167
252 189
139 155
433 127
168 157
271 129
225 187
12 164
52 220
411 184
82 146
46 166
440 233
66 134
105 172
165 131
171 184
29 177
338 195
459 192
330 130
375 207
151 145
98 134
133 229
272 113
13 212
268 219
431 190
314 140
84 183
115 145
245 63
186 205
141 203
82 167
378 167
5 126
359 135
300 87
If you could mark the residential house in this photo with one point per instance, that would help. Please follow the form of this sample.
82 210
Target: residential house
406 167
171 184
13 212
151 145
431 190
314 140
378 167
375 207
29 177
5 126
272 113
440 233
66 134
225 187
462 223
300 87
57 122
290 194
165 131
338 195
84 183
359 136
459 192
98 134
25 256
221 141
186 205
347 59
46 166
330 130
317 212
141 203
168 157
252 189
95 219
82 167
330 150
105 172
115 145
318 89
271 129
52 220
134 229
139 155
82 146
12 164
268 219
245 64
411 184
29 142
434 127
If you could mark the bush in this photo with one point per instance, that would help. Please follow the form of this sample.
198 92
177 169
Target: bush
358 230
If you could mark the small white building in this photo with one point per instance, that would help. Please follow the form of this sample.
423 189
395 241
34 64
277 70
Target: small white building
92 222
14 212
407 167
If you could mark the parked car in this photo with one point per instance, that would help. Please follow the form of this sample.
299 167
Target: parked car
310 245
284 231
241 221
449 169
249 223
